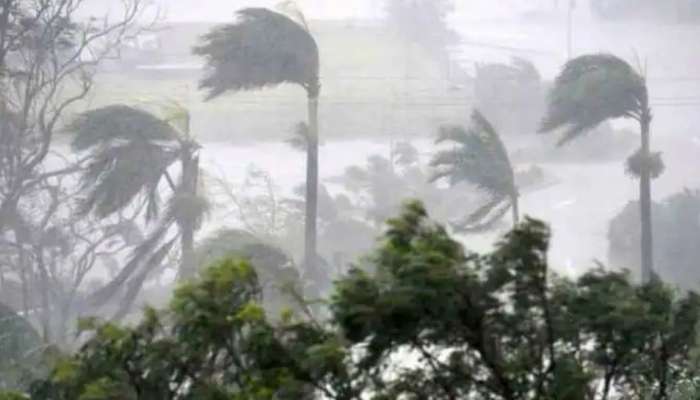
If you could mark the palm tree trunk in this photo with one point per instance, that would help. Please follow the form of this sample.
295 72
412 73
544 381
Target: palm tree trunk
310 233
190 170
645 202
516 209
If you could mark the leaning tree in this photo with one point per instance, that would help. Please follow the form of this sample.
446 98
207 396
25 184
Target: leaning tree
130 154
478 157
592 89
262 49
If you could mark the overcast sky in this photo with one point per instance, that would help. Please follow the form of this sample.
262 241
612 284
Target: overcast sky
223 10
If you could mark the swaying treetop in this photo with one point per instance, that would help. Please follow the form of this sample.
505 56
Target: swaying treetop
479 157
263 48
130 156
592 89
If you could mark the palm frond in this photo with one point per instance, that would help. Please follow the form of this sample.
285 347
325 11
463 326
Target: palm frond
263 48
117 175
485 217
130 151
134 285
479 157
591 89
105 125
137 259
483 129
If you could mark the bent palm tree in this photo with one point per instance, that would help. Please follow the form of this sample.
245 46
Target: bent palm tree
592 89
480 158
130 153
264 49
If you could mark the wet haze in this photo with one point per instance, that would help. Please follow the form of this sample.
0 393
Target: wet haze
586 197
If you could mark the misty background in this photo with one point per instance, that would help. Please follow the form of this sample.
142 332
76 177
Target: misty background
378 88
394 75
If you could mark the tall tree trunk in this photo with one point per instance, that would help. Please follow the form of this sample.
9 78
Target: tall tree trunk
516 209
190 171
310 224
647 252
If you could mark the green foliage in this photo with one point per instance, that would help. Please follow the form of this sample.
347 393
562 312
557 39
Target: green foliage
12 396
501 318
213 342
278 276
263 48
591 89
427 321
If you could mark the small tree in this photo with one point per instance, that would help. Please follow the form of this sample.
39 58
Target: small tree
131 152
429 321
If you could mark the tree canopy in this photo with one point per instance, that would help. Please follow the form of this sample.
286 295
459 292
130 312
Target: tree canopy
426 320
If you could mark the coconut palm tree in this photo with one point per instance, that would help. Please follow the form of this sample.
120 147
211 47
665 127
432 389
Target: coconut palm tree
592 89
480 158
131 152
265 49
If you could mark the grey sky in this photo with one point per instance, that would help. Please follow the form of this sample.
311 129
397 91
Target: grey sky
223 10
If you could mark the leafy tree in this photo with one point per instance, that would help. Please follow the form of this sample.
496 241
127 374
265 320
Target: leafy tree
212 343
262 49
279 279
478 157
131 152
592 89
427 320
501 326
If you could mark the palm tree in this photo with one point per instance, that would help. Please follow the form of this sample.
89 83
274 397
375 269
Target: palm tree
592 89
131 152
480 158
265 49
